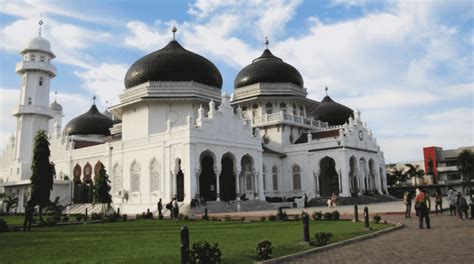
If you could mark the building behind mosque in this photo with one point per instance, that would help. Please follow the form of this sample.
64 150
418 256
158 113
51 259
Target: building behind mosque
175 134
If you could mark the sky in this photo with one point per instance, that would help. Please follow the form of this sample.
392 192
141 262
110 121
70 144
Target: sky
406 65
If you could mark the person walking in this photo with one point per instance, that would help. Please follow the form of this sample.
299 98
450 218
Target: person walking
461 205
452 202
407 197
422 202
439 202
29 210
305 201
160 208
175 208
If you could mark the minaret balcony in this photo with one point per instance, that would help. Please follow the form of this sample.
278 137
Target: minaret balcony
33 109
288 119
36 65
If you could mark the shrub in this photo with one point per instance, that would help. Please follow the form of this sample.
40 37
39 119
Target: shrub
327 216
3 226
186 218
50 221
272 217
181 216
96 216
335 215
214 218
65 218
317 215
79 217
204 217
322 238
263 218
149 215
297 217
303 214
264 249
377 218
124 217
110 218
203 252
138 216
227 218
242 218
282 215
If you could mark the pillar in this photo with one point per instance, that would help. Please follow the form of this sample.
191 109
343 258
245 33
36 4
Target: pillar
237 184
218 187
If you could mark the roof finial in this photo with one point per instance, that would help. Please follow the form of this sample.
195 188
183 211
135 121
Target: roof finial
93 98
174 31
40 22
55 94
266 42
326 89
106 104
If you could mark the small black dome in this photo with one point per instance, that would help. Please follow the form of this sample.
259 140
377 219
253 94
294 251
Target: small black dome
268 69
90 123
173 63
333 113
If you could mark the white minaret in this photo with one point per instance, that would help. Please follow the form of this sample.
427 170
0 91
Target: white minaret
33 112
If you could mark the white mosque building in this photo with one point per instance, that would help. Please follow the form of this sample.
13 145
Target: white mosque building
176 134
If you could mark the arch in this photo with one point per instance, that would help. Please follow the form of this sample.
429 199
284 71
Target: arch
296 171
275 178
328 178
353 182
135 171
179 181
87 178
381 175
97 167
363 173
227 178
155 173
207 178
264 174
77 172
283 107
269 108
117 178
248 172
372 174
209 153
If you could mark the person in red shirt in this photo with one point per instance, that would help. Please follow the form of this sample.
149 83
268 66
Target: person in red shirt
422 202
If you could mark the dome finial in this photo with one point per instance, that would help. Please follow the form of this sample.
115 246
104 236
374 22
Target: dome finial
326 89
106 104
55 95
93 98
266 42
174 29
40 23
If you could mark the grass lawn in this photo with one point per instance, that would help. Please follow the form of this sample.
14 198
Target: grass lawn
155 241
13 219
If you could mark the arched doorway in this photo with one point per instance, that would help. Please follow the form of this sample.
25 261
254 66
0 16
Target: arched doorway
329 179
372 183
179 182
354 186
227 179
381 180
363 173
207 179
248 185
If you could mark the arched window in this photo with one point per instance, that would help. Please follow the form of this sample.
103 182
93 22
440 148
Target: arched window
117 178
283 107
268 108
33 57
295 110
42 58
254 110
135 177
301 111
275 178
296 178
41 81
248 181
154 176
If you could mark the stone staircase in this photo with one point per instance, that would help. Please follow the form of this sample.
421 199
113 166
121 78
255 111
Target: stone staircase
363 199
81 209
234 206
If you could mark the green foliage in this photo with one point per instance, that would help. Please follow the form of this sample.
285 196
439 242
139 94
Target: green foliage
3 226
272 217
317 215
242 218
396 176
377 219
54 208
11 202
327 216
227 218
65 218
263 218
42 171
79 217
96 216
282 215
102 187
466 168
414 171
264 249
322 238
203 252
335 215
124 217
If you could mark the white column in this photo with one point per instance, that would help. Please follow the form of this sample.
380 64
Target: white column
261 191
218 191
237 184
255 187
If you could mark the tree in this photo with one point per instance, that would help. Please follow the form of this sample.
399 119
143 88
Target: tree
396 176
414 171
466 168
102 188
11 202
42 172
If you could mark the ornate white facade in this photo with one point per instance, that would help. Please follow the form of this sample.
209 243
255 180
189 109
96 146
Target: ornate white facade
185 139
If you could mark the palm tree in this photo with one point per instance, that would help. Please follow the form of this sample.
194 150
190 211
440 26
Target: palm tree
414 171
396 176
11 202
466 168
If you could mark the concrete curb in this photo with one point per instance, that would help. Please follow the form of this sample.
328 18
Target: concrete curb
335 245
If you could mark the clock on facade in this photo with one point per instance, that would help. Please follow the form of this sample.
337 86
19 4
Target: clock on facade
361 135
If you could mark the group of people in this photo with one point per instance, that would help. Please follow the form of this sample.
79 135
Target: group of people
457 204
173 206
332 202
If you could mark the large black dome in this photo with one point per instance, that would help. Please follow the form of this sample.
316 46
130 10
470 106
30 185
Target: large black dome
333 113
90 123
268 69
173 63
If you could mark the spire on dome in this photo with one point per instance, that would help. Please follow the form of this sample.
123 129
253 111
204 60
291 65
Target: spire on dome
326 89
93 98
40 23
266 42
55 95
174 30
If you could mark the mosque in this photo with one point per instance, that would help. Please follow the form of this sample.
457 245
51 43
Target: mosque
175 134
